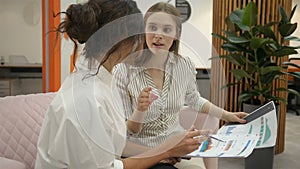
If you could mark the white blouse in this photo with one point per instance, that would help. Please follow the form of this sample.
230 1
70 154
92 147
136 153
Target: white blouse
82 129
162 118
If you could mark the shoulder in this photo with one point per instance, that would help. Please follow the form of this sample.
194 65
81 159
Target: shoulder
186 60
120 72
187 63
123 70
120 67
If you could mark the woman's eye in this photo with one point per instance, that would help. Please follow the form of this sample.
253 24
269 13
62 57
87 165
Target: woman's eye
152 28
167 30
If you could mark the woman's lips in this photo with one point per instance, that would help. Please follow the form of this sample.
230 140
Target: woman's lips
157 45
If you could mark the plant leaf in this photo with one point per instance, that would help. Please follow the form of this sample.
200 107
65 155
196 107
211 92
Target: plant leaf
236 39
293 47
251 67
292 13
259 42
239 74
228 33
294 74
270 24
269 69
267 31
234 58
290 91
294 92
273 46
230 25
236 17
284 18
284 101
232 47
287 29
293 38
291 64
229 85
219 36
250 14
284 52
270 77
244 97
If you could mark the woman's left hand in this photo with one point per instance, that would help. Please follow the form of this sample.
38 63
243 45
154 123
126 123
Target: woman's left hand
234 116
172 160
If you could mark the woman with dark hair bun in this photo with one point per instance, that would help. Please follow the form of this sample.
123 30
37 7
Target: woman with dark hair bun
84 127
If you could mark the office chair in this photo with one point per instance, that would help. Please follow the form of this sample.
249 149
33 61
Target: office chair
293 100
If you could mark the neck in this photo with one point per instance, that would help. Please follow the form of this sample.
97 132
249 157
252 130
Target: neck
107 67
158 61
112 60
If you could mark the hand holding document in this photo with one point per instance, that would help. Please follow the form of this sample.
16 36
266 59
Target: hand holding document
239 140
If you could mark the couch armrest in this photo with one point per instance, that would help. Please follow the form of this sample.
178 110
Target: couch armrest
6 163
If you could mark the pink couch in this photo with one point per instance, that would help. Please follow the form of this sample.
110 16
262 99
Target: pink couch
21 118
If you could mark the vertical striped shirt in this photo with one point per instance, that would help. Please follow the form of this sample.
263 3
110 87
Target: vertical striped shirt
162 117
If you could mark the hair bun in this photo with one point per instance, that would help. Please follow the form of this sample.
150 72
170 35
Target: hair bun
81 21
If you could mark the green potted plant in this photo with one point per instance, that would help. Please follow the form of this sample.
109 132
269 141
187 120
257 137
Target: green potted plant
256 51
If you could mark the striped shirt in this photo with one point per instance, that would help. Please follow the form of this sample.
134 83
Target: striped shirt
162 117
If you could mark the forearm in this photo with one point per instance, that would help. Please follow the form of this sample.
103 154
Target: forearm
213 110
142 157
142 163
134 126
217 112
176 146
145 160
135 122
133 149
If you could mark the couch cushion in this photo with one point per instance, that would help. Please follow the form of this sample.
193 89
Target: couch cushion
20 124
10 164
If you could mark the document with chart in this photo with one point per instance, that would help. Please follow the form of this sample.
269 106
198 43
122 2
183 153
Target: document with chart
239 140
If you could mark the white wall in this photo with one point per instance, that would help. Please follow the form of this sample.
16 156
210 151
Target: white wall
296 18
66 45
19 37
196 34
21 29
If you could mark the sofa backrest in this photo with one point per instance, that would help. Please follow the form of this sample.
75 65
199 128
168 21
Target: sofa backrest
21 118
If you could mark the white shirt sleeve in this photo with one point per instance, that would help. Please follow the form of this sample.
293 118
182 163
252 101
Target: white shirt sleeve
118 164
193 97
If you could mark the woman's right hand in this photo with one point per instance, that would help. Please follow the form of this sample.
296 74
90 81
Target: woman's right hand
186 142
144 100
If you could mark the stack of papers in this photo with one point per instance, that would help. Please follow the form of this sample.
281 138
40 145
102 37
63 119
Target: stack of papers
239 140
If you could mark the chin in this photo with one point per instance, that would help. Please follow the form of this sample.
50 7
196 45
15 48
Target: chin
158 51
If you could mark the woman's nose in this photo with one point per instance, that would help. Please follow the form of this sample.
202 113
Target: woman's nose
158 35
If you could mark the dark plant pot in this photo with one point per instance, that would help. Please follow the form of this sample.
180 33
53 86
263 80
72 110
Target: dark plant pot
261 158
